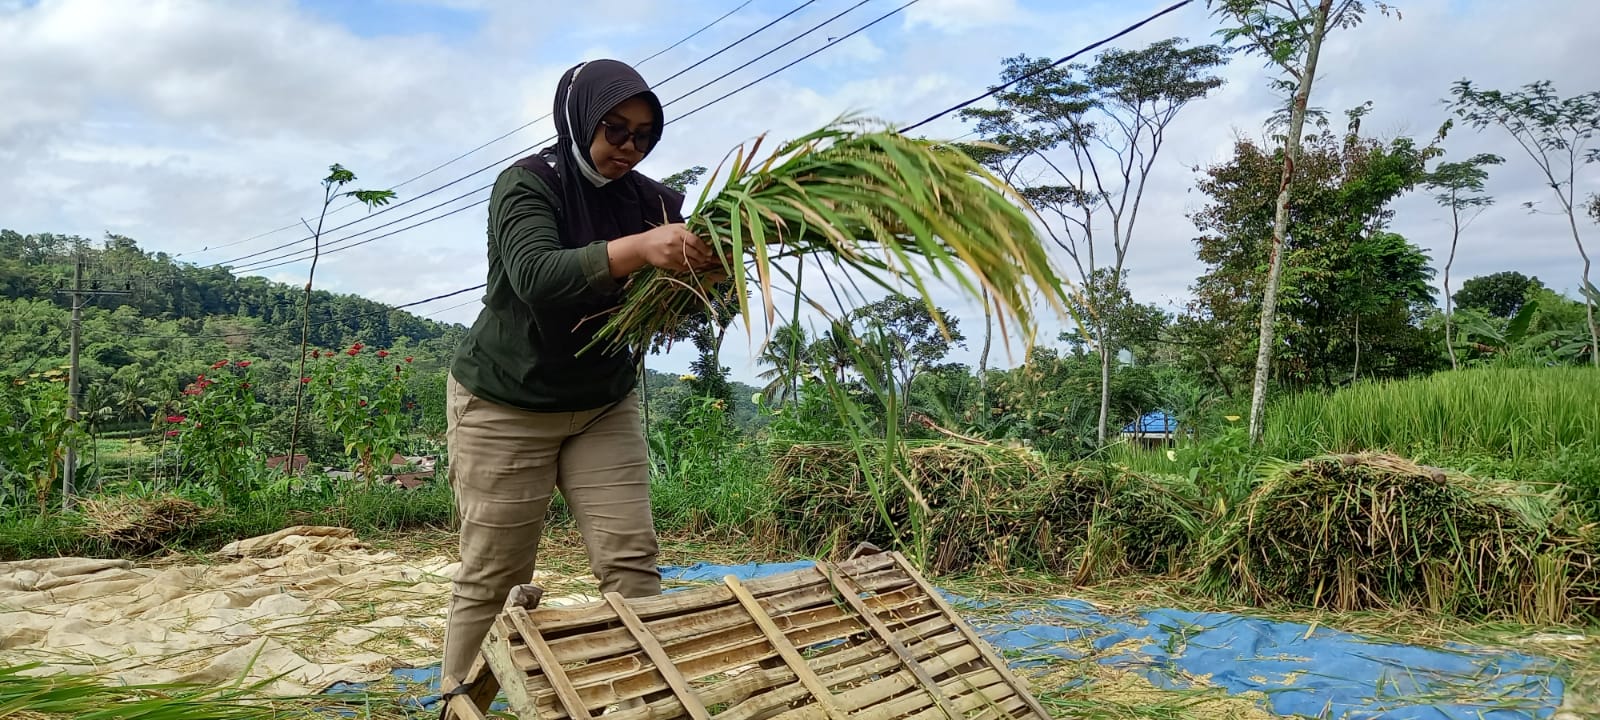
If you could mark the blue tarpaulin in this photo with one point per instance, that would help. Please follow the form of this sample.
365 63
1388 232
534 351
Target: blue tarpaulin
1301 670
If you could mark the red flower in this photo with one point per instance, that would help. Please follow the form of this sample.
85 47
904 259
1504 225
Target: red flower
357 347
383 353
219 364
315 354
172 433
192 391
245 386
176 418
408 358
363 403
353 351
201 378
243 363
305 381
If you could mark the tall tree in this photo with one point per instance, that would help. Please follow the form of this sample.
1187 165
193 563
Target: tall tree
1350 289
1289 33
788 356
1009 143
1099 129
332 189
1500 294
1459 187
1555 132
914 340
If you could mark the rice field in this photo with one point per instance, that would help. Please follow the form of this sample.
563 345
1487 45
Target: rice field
1511 413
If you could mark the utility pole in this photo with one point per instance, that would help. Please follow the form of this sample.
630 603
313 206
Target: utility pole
77 294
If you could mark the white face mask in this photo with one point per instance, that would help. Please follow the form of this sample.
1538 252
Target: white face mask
585 163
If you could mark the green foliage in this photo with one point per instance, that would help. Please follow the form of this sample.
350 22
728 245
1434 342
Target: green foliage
34 436
89 698
1353 295
211 429
1499 294
706 474
1511 413
360 395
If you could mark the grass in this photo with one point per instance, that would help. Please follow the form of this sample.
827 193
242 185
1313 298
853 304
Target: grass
1506 413
25 534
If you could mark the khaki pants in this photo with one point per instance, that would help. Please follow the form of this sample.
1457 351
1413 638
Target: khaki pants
504 465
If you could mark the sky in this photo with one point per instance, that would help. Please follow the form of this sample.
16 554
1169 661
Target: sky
203 128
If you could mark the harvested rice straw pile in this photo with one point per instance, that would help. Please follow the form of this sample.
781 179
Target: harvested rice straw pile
895 211
1143 525
143 523
988 506
1353 532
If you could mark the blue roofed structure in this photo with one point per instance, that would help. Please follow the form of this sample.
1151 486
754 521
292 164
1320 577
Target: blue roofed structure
1152 428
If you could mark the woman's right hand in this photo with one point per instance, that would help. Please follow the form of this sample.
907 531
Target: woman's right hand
674 249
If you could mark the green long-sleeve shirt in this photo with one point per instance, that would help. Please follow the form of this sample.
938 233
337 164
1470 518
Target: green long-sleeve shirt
523 349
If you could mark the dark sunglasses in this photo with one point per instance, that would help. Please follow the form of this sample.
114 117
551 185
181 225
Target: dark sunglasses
618 135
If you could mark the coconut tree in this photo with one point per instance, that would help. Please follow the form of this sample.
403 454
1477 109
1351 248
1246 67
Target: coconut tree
789 357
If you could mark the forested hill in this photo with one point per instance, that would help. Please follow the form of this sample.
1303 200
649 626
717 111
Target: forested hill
199 297
139 350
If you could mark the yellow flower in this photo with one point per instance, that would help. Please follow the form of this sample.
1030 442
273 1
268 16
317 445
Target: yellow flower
1231 418
686 377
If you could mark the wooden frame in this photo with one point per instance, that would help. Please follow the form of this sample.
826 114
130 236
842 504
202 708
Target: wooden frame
864 639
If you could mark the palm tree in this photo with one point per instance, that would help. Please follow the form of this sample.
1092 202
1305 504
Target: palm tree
788 353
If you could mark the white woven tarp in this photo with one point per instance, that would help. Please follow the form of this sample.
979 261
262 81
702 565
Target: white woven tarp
310 604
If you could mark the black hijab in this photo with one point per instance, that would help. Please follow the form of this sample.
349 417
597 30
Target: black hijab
594 209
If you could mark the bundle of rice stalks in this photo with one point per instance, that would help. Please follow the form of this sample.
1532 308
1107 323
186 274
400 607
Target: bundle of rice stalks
958 506
24 696
1353 532
1143 524
892 209
141 523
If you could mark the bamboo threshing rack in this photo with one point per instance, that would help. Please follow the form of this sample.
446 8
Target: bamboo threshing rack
864 639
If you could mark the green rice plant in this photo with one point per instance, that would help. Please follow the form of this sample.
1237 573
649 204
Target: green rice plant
890 209
27 697
705 476
1500 412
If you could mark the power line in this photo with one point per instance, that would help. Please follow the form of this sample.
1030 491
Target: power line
530 148
266 262
802 58
1057 63
391 233
786 43
508 133
305 254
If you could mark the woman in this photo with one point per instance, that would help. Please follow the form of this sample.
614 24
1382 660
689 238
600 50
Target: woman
527 414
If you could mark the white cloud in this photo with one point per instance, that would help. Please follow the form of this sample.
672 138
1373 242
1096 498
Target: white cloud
213 121
954 16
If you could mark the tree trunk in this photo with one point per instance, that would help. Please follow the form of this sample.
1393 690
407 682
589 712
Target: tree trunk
1449 317
1355 372
1588 301
983 357
1280 222
1105 386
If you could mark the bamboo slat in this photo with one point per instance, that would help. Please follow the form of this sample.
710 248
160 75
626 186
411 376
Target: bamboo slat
863 639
